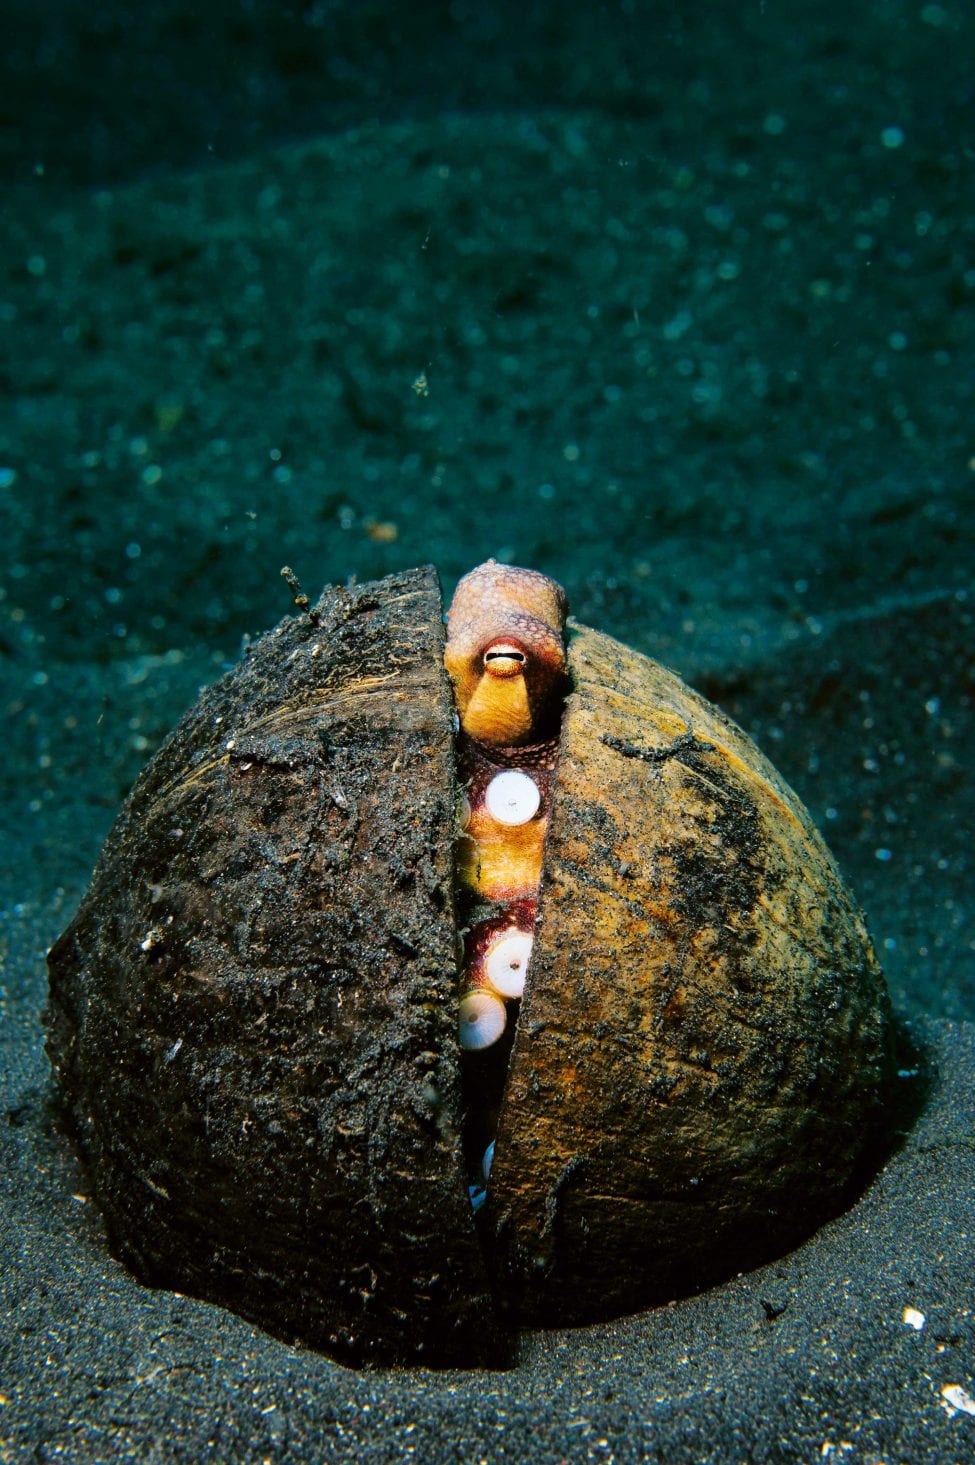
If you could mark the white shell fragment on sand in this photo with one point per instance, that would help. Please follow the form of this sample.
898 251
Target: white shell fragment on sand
957 1400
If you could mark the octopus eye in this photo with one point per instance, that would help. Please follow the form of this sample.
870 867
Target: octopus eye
504 659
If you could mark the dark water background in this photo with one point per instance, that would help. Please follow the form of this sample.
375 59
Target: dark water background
673 302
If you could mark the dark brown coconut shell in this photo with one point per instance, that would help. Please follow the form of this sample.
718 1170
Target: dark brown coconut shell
254 1012
704 1042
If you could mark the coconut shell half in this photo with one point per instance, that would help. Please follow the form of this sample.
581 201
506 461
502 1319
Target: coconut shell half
253 1014
704 1044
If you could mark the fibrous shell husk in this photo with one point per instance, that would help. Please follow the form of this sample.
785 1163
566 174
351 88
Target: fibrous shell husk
253 1014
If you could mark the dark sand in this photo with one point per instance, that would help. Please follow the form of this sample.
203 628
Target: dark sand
806 1359
675 306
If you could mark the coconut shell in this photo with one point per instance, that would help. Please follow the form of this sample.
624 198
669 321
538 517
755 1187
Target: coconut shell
253 1014
704 1042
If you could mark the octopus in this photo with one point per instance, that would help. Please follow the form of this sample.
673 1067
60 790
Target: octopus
506 658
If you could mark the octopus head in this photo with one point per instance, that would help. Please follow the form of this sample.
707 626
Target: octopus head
505 654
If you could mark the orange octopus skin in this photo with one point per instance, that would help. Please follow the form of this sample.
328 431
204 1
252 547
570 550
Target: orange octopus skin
505 656
496 861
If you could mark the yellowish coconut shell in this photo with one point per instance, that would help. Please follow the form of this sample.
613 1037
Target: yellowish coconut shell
704 1040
